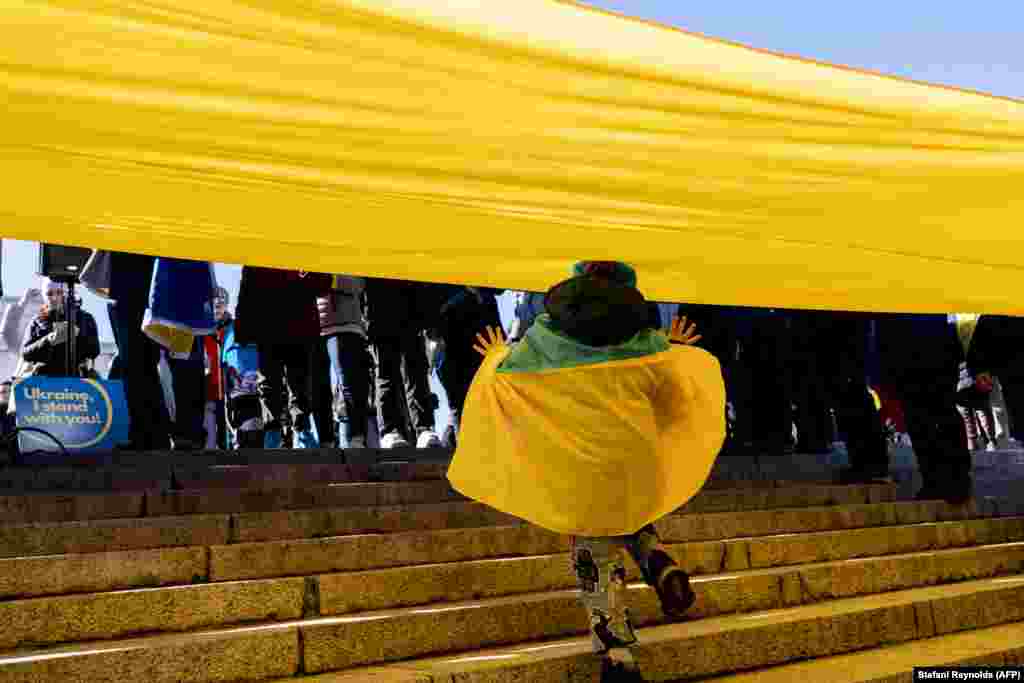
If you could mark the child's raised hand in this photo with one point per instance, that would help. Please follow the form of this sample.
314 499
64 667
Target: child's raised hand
681 334
495 340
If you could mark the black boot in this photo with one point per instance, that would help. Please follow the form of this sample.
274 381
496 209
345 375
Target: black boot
671 584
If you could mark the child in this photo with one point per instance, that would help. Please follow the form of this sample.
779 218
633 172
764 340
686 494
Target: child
596 425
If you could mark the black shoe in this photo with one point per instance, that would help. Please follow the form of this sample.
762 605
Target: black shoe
671 584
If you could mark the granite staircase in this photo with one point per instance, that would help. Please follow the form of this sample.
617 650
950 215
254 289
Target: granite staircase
212 568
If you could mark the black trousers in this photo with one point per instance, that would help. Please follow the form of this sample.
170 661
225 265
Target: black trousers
402 365
189 380
936 429
139 357
456 374
812 400
461 361
287 366
861 425
768 355
323 399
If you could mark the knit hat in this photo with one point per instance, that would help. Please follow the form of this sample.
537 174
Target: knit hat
600 305
616 271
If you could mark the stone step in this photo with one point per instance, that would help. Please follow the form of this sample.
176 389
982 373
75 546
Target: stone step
461 595
279 469
37 576
378 551
993 646
719 645
67 507
199 472
18 540
123 459
697 648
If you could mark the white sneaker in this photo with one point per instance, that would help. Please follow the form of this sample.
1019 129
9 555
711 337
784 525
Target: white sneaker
428 440
991 447
393 440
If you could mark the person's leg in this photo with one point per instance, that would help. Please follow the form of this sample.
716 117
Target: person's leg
271 392
1002 427
457 373
222 424
299 361
921 429
210 426
981 411
957 463
865 438
389 383
661 572
245 421
601 576
354 366
1013 395
970 424
140 356
417 387
189 386
323 399
939 440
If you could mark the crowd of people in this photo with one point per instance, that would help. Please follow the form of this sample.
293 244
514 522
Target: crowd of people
316 360
306 360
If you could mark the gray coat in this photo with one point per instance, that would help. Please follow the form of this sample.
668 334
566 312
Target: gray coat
342 310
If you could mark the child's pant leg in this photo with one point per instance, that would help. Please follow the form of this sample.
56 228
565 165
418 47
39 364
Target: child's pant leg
601 576
640 546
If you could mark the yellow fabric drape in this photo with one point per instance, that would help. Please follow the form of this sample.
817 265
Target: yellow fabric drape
493 143
592 450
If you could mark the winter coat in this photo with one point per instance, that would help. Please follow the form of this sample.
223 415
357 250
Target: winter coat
214 374
464 315
398 307
921 347
278 306
997 345
131 279
342 309
51 358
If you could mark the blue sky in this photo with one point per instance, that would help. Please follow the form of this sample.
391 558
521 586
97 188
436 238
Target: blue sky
972 45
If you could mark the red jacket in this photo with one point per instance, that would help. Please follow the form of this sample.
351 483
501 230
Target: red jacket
214 378
278 306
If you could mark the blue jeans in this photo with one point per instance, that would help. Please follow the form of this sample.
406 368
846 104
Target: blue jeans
350 372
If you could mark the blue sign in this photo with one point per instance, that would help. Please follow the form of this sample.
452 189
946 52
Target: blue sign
84 415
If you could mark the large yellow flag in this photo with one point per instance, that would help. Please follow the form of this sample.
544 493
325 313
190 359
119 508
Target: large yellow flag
490 142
